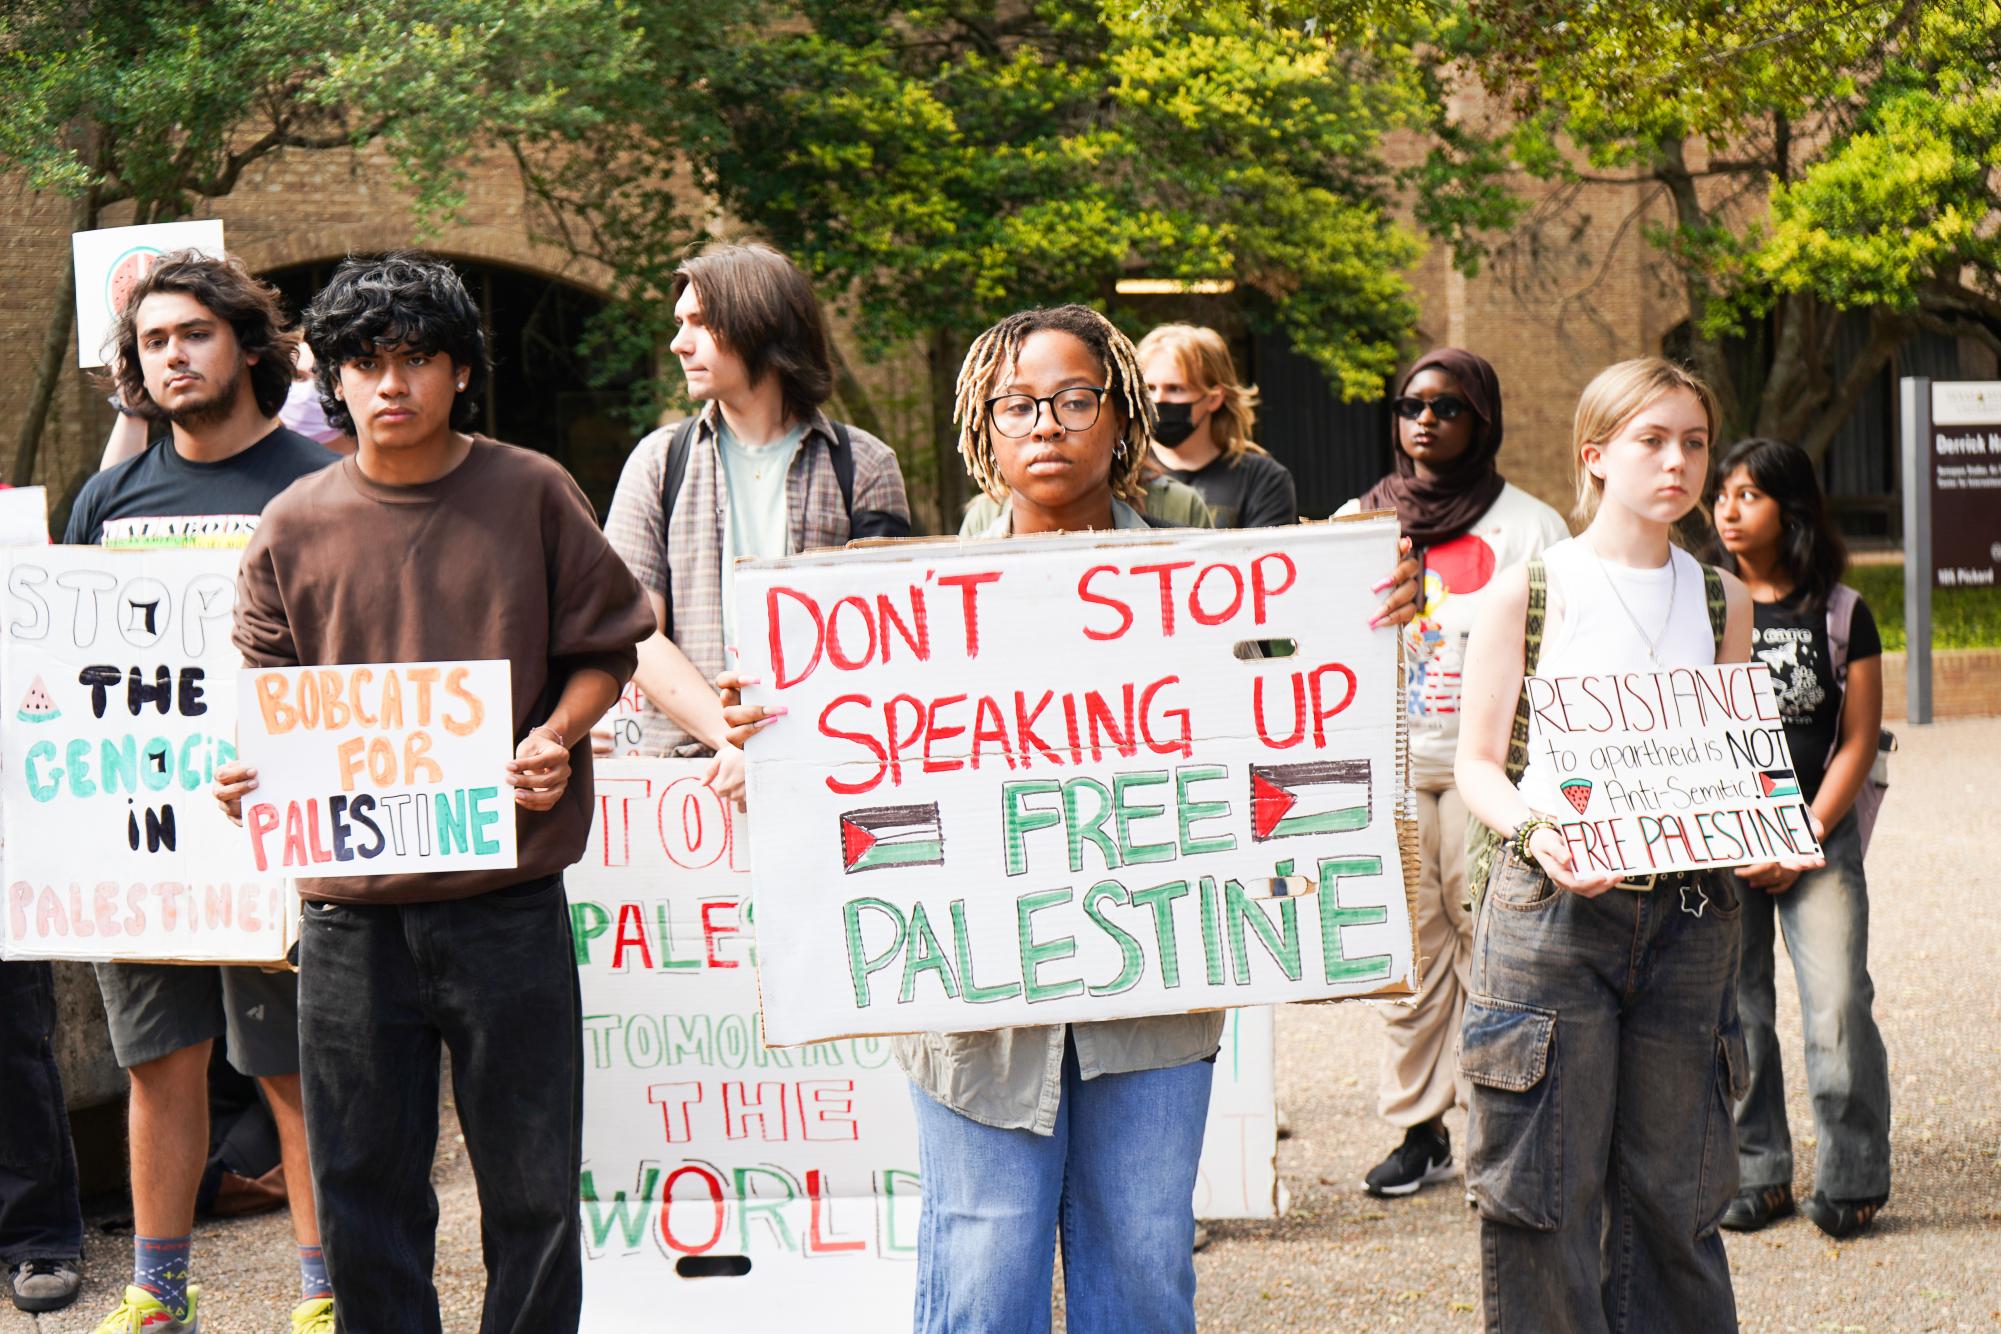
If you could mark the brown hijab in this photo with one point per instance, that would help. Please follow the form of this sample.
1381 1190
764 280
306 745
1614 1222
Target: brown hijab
1433 511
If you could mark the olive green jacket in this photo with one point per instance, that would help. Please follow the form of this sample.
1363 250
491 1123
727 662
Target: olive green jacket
1174 503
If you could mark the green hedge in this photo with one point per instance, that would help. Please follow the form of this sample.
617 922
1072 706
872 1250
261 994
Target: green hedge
1961 617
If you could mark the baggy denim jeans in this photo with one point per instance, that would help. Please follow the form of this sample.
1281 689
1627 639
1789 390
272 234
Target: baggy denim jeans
40 1218
1825 916
494 978
1117 1176
1602 1043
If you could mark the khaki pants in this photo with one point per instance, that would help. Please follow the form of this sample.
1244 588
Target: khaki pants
1420 1077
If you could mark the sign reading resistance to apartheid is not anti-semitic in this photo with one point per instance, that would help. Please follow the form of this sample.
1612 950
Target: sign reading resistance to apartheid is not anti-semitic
119 693
379 768
772 1188
1072 778
1681 770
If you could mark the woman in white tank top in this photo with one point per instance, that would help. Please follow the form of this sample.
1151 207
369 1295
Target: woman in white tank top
1601 1036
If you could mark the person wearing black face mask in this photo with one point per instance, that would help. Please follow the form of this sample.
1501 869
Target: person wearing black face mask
1203 436
1467 524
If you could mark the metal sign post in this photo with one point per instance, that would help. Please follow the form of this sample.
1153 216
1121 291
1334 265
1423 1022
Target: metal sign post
1917 451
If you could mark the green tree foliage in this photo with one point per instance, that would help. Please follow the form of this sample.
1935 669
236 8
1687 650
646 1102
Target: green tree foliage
939 164
1819 159
156 105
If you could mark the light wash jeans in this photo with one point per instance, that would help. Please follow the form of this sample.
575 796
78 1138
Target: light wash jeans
1602 1044
1825 917
1117 1178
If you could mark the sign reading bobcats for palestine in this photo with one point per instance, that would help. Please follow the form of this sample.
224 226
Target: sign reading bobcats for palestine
1072 778
1682 770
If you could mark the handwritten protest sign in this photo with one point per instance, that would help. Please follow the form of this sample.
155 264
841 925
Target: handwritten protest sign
1076 778
110 260
380 767
1682 770
769 1188
117 703
628 737
24 516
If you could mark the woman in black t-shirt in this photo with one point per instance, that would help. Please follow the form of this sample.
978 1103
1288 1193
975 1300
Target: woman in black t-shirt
1826 658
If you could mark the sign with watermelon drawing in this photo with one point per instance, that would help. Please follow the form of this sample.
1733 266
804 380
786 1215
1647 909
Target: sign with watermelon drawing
1680 770
1072 778
110 260
119 680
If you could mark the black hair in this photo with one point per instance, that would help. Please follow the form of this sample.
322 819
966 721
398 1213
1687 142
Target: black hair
1810 547
407 299
761 307
249 305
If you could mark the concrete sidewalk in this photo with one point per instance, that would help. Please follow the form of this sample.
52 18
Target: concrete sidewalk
1342 1261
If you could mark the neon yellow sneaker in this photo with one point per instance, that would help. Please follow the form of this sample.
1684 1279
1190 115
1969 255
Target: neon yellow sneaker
141 1313
313 1316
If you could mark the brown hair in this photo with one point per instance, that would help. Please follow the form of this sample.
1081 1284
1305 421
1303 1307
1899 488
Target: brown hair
1611 400
230 292
1204 358
762 308
995 350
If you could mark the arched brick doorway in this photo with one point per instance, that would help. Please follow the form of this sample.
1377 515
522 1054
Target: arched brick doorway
541 395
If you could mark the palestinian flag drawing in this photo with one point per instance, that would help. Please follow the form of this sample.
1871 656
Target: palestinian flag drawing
1779 782
1577 791
882 836
1320 797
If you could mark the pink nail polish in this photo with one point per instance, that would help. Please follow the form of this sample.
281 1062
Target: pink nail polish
777 711
750 680
1376 623
1377 588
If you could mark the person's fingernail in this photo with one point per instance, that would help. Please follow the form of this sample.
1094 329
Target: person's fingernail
732 650
750 680
777 711
1387 581
1376 622
763 723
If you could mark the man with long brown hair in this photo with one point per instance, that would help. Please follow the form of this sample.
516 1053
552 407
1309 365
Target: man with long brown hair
200 345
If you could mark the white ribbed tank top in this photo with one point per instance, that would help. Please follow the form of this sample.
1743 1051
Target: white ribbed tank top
1592 635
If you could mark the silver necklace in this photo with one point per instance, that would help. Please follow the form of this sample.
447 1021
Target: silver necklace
1674 584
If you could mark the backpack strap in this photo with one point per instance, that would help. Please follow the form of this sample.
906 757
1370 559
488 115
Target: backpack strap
1532 624
866 523
672 474
1841 602
1718 603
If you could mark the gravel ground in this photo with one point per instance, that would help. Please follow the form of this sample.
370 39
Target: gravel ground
1342 1261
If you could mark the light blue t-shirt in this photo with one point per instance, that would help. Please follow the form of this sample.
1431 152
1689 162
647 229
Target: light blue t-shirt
756 524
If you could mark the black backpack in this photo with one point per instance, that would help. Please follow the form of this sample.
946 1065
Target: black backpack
867 524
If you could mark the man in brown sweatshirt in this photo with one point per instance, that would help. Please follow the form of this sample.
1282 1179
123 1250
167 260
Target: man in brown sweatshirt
430 544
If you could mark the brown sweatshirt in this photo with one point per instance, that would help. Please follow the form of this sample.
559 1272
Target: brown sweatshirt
500 558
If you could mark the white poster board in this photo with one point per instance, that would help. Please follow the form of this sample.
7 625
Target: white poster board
379 768
800 1160
24 516
1031 781
109 261
119 693
1682 770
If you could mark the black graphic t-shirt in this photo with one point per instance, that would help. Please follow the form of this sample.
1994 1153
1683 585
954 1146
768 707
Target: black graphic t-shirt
160 484
1792 641
1254 492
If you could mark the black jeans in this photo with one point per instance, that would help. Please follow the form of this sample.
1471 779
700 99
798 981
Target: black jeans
495 979
39 1215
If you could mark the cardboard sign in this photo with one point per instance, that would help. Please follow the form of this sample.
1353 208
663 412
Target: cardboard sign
1682 770
628 738
119 694
1092 777
24 516
379 768
766 1188
109 261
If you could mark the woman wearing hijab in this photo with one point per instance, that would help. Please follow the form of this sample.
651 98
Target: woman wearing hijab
1466 523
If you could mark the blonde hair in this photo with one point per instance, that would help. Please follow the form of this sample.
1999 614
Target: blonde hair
994 352
1204 358
1612 399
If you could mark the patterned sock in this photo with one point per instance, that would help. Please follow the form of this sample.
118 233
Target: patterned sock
160 1266
313 1281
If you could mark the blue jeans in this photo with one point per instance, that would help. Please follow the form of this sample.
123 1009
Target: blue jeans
1825 917
494 979
40 1218
1602 1045
1117 1177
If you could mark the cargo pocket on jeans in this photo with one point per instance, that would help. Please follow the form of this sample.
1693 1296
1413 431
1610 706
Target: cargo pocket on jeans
1717 1185
1514 1153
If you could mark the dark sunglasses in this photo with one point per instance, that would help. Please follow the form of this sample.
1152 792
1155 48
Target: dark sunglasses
1445 407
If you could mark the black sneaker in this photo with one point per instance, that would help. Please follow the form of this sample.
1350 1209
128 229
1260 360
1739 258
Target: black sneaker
1424 1156
44 1285
1842 1219
1756 1208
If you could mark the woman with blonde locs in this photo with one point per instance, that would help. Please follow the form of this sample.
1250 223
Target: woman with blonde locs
1202 433
1601 1036
1090 1130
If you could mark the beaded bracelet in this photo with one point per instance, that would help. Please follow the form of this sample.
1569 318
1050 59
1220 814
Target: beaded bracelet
1525 831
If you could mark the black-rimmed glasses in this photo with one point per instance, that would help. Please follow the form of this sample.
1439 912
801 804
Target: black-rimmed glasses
1076 409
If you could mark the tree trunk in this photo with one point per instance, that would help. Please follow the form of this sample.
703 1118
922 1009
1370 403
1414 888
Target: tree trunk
1705 351
949 470
55 353
1886 335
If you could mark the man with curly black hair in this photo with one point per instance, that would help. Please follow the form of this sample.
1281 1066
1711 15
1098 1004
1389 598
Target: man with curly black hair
199 345
432 544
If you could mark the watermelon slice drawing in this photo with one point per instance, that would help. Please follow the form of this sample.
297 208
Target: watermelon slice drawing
884 836
36 706
1319 797
1577 791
